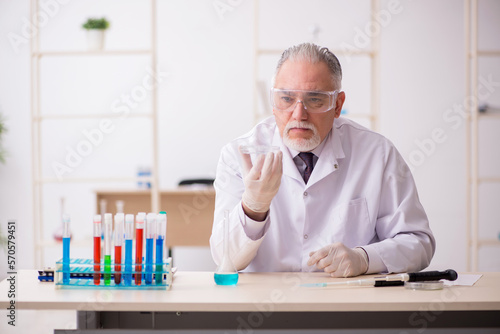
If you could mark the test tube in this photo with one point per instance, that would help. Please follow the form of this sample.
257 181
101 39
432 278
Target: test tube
129 236
119 217
150 239
161 228
66 240
108 230
97 249
102 204
119 206
139 236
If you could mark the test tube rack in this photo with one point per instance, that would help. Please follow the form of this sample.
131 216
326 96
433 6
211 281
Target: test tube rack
82 275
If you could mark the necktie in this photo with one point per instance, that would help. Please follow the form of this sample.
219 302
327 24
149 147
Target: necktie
307 157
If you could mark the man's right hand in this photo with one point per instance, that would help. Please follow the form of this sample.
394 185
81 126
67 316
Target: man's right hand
262 182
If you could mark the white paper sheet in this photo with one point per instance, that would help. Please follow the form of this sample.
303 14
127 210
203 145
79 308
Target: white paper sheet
464 280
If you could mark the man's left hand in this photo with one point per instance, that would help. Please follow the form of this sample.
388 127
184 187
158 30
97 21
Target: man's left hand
339 260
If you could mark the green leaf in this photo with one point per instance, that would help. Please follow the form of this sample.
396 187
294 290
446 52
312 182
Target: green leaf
95 23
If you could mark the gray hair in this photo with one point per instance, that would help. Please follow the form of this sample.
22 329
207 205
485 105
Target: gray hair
314 54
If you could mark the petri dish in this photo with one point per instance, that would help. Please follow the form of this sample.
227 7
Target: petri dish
258 149
425 285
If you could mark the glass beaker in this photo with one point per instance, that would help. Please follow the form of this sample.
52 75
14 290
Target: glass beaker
226 273
249 149
250 154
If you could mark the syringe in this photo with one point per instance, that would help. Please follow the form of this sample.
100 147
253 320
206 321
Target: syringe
108 230
119 217
393 280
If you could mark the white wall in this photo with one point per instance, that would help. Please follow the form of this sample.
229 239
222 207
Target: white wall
15 175
423 78
206 99
423 73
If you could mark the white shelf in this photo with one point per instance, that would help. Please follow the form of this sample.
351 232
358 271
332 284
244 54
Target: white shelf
482 116
38 180
91 116
337 52
488 179
486 53
487 116
485 180
472 54
91 53
95 179
489 242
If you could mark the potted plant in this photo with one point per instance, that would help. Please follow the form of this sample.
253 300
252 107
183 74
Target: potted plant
95 32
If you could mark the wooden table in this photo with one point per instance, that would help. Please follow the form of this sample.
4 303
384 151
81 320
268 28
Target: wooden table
266 301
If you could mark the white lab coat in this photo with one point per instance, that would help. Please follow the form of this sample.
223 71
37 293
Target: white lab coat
360 193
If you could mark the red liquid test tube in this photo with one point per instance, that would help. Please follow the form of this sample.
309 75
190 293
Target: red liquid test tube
119 221
139 236
97 249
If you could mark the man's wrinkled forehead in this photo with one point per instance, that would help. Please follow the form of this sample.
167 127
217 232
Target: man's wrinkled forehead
304 75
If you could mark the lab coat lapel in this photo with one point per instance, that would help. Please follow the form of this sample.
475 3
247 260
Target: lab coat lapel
328 160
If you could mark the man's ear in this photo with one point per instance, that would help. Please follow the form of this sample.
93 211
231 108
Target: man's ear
339 103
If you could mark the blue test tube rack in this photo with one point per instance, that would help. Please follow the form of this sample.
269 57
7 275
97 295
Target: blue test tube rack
81 272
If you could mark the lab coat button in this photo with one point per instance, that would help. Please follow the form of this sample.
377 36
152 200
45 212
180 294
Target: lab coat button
305 193
305 236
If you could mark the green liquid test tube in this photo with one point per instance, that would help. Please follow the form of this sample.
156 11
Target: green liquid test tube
108 228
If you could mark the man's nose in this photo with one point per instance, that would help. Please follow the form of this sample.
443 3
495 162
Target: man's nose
299 112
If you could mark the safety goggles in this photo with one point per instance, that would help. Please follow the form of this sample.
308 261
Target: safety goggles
313 101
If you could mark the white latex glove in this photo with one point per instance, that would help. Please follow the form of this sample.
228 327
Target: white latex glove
262 180
339 260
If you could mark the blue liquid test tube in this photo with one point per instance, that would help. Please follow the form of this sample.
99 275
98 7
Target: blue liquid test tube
129 236
150 237
66 241
161 230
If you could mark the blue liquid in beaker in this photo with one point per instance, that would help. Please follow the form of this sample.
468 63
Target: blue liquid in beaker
226 279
